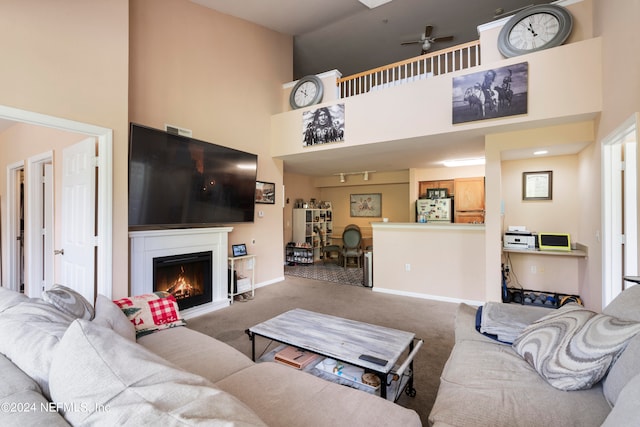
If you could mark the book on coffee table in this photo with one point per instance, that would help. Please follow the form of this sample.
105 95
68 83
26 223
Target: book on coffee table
295 357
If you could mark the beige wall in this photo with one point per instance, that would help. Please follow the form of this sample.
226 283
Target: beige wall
70 60
296 187
221 77
17 144
562 214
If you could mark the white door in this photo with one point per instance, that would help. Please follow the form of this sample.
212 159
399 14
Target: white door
78 233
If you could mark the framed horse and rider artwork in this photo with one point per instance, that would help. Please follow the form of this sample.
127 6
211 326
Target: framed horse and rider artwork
498 92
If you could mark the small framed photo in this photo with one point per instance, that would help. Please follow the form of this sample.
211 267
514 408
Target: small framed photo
537 185
265 192
436 193
239 250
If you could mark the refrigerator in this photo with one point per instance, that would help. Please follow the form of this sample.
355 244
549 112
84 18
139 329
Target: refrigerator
434 210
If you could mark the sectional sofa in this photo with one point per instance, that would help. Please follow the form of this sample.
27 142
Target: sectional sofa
64 361
567 367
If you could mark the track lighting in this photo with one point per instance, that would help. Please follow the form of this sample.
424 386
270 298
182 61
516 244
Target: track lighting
365 175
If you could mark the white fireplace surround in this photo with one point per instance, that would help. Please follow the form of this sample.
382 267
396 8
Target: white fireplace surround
150 244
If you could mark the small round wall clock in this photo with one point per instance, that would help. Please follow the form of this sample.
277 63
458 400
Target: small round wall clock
307 91
535 28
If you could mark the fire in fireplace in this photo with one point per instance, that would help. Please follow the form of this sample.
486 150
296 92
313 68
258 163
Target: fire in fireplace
187 277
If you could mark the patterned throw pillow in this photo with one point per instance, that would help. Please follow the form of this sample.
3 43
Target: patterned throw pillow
573 348
151 312
69 301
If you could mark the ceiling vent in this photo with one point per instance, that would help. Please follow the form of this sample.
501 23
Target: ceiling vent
175 130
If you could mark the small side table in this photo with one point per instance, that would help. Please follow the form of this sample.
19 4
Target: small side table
245 262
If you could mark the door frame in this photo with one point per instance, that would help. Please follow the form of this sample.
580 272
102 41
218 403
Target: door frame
104 213
10 270
612 209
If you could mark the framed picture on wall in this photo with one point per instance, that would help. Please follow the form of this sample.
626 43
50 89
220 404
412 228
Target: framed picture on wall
265 192
366 205
537 185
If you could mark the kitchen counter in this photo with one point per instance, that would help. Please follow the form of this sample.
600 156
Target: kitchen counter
435 260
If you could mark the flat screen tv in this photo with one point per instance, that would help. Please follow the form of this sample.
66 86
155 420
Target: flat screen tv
175 181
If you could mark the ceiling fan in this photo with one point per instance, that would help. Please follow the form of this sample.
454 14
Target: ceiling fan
426 40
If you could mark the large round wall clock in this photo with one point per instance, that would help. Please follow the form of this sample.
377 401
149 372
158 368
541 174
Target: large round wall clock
307 91
535 28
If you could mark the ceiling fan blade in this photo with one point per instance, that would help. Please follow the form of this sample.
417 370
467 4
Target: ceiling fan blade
427 31
404 43
443 39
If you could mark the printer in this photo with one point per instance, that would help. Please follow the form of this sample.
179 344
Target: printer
517 237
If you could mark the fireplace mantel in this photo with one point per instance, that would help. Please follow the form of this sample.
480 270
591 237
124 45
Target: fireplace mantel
149 244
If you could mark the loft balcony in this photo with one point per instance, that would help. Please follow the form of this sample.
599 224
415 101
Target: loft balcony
400 116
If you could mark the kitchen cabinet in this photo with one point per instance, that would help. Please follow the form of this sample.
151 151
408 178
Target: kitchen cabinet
469 200
447 184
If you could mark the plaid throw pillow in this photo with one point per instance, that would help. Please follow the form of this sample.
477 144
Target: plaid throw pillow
151 312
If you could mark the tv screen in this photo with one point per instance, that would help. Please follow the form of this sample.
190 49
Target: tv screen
175 181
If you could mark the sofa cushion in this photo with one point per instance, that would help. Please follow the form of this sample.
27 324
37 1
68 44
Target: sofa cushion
30 331
69 301
21 401
573 348
9 298
151 312
486 384
117 382
625 368
625 306
196 352
302 399
626 413
109 315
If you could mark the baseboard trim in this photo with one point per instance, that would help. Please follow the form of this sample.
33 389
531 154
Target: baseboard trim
426 296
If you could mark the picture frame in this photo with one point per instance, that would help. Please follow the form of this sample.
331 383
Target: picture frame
537 185
490 94
265 192
366 205
239 249
437 193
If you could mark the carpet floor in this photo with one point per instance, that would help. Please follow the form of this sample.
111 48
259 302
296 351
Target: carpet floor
429 320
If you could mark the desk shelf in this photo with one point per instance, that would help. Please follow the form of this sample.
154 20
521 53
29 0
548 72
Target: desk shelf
580 251
245 267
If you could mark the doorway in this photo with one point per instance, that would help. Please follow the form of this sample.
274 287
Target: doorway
620 208
103 214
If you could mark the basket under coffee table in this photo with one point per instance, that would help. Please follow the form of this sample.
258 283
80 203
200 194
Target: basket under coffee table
346 341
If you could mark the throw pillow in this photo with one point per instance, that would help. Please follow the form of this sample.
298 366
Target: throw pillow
151 312
30 332
104 379
69 301
573 348
109 315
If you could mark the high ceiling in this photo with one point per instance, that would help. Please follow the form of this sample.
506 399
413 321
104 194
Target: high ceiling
347 36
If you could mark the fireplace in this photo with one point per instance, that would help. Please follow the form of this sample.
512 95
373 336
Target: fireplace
186 276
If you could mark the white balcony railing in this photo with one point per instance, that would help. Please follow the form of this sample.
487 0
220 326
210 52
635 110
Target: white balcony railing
430 64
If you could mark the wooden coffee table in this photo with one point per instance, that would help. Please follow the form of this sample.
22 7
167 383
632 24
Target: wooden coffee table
344 340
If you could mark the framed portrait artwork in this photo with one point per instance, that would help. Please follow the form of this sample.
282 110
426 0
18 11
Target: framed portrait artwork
537 185
366 205
490 94
265 192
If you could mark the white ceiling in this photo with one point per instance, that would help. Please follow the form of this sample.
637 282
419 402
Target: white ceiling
347 36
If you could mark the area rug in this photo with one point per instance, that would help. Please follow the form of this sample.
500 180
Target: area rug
327 272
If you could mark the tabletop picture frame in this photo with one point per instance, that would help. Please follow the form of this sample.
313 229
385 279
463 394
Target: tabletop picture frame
537 185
